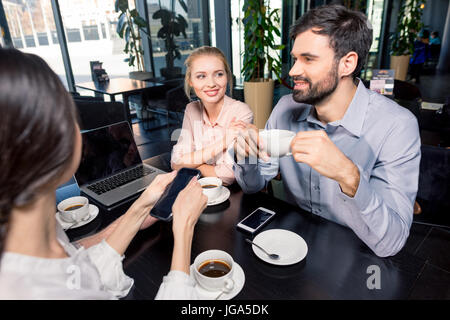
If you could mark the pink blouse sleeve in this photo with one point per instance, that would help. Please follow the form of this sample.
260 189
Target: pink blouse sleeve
185 143
245 114
224 170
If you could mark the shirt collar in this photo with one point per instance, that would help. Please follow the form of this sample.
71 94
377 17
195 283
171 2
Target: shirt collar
353 118
302 114
220 121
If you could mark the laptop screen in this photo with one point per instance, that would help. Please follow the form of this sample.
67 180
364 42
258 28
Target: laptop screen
106 151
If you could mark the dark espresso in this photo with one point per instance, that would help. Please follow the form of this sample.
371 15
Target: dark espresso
209 186
74 207
214 268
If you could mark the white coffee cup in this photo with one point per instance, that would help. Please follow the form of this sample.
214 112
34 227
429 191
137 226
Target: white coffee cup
74 209
276 142
211 192
209 283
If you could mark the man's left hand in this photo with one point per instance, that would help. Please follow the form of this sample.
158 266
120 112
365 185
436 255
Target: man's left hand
317 150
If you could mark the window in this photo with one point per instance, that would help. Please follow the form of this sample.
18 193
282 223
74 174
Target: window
237 34
237 37
374 13
194 31
90 28
33 30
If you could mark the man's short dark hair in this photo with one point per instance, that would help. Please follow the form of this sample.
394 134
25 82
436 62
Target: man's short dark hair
348 30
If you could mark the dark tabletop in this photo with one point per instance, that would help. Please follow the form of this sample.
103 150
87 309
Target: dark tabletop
337 266
118 86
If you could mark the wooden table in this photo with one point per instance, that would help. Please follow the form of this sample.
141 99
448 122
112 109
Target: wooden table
338 264
123 86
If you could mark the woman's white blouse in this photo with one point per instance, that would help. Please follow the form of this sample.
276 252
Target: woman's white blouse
93 273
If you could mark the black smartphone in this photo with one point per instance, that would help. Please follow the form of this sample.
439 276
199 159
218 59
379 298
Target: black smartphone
163 207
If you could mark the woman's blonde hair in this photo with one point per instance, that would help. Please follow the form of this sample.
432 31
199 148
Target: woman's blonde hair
205 51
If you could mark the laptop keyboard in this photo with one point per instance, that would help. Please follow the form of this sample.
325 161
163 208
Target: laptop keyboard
120 179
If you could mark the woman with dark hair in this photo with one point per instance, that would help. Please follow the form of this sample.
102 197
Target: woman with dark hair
40 147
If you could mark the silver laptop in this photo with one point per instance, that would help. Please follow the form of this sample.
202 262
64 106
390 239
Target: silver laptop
111 169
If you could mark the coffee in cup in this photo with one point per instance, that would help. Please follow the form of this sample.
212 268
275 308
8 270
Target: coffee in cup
211 187
213 270
74 209
276 142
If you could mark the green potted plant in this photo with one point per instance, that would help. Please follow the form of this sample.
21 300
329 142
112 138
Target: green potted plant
173 25
129 26
261 23
408 25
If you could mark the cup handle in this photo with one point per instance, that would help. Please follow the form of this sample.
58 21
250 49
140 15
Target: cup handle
228 285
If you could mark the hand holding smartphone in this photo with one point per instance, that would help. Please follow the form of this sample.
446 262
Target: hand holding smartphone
162 209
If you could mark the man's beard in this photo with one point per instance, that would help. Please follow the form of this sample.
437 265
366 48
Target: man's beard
319 91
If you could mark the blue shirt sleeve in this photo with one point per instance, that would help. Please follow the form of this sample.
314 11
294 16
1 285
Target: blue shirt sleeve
254 174
383 203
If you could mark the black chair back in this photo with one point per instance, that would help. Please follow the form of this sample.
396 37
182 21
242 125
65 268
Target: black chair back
406 91
177 99
434 188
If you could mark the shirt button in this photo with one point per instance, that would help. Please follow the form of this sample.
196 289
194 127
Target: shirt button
316 188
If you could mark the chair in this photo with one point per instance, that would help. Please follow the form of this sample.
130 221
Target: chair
165 99
406 91
438 122
98 97
435 51
95 114
175 101
445 124
434 186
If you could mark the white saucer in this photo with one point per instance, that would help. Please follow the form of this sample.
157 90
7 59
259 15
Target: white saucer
288 245
238 278
223 196
93 212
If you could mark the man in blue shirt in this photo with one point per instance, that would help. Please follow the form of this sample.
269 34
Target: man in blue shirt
355 157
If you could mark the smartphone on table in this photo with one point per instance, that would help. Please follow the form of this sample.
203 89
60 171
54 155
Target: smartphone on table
256 220
162 209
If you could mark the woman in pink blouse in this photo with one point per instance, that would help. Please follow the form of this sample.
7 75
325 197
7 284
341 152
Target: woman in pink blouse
211 123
